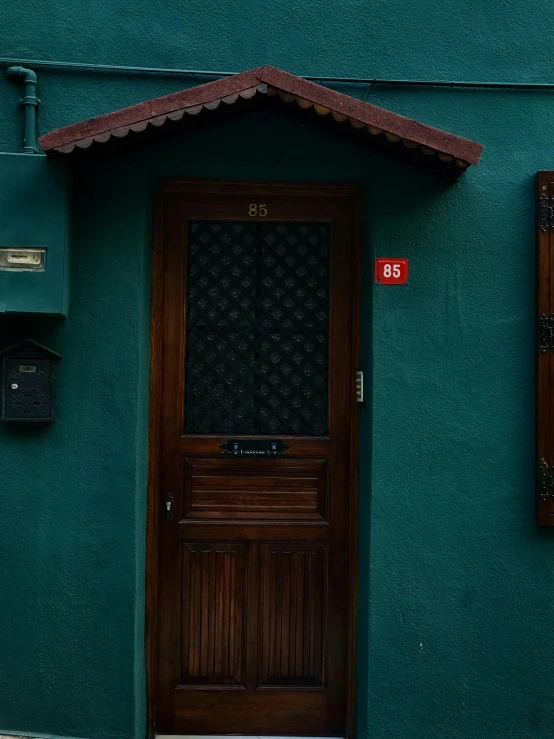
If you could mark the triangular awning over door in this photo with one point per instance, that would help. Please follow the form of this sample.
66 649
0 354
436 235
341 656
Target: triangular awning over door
394 135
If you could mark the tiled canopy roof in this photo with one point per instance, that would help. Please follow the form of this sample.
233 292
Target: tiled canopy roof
394 134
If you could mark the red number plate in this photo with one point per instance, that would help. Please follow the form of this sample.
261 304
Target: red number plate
391 271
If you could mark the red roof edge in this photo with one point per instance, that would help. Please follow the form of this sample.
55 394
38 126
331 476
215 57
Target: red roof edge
197 95
340 105
394 123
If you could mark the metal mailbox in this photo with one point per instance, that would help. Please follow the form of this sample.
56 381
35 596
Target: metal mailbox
28 382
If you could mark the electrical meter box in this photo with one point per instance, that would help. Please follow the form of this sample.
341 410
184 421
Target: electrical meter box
34 231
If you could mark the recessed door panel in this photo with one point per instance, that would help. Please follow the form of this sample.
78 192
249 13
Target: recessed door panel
255 489
212 618
293 610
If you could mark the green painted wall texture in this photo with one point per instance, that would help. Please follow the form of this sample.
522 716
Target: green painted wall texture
456 585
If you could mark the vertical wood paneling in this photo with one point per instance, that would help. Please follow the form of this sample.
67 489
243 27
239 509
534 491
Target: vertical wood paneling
212 614
293 605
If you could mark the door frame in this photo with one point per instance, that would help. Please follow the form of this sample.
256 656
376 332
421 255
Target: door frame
212 187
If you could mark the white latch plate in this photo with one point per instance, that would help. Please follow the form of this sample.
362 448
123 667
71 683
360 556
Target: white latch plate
360 386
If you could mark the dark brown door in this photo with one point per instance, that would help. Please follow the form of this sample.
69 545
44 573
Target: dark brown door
255 565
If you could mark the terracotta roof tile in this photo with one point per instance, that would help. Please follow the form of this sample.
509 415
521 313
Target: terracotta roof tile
267 81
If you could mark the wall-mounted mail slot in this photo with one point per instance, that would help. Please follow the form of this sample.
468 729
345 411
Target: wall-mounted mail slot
254 447
21 259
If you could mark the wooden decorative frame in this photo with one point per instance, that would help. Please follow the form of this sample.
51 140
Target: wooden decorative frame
545 349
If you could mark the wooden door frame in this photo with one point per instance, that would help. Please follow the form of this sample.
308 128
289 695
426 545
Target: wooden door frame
212 187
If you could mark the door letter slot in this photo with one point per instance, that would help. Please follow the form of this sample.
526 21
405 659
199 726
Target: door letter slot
254 447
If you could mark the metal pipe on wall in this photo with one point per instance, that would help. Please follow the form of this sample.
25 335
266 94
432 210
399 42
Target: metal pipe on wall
30 104
113 68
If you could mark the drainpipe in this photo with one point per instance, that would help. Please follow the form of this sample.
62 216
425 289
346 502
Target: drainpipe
30 104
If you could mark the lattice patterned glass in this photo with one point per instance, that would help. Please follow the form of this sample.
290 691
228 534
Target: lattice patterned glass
257 328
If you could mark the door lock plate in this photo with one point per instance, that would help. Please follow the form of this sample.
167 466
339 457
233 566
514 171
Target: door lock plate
168 505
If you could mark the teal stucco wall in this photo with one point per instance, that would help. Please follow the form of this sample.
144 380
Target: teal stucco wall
456 581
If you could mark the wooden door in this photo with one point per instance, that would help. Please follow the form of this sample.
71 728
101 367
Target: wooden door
254 349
